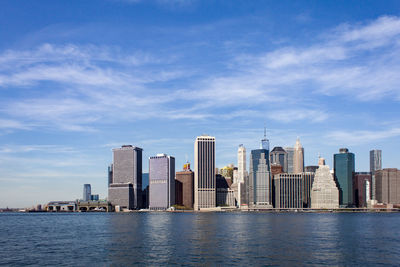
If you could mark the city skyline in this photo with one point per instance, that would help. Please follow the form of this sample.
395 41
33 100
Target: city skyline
156 74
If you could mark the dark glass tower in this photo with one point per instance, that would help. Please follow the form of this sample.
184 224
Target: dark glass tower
344 168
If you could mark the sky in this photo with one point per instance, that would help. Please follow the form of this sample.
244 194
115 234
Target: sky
78 78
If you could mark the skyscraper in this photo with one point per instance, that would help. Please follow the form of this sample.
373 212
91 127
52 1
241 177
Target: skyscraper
125 189
375 160
298 157
359 190
204 172
324 192
388 186
344 169
288 189
259 186
241 164
161 182
87 192
185 179
279 156
290 158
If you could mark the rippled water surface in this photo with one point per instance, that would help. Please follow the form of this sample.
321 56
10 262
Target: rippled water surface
99 239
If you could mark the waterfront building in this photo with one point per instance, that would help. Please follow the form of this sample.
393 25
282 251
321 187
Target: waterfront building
361 197
324 193
242 172
87 191
161 182
94 197
344 167
279 156
62 206
388 186
310 168
125 189
288 190
259 186
307 179
225 194
204 172
110 174
298 157
375 163
185 181
290 157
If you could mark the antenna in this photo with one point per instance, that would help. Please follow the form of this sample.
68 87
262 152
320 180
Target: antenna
265 131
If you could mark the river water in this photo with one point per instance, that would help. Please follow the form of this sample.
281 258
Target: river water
288 239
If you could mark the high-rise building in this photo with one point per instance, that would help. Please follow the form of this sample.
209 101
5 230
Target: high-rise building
225 194
279 156
265 141
290 158
344 169
204 172
186 179
298 157
242 172
110 174
87 192
259 186
375 160
324 193
359 187
375 163
310 168
288 190
307 182
388 186
161 182
126 187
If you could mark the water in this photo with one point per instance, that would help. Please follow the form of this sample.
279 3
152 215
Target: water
102 239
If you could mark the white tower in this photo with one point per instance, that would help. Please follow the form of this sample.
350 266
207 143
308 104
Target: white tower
298 157
241 164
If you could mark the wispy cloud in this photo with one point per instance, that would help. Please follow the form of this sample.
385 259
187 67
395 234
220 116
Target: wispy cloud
361 136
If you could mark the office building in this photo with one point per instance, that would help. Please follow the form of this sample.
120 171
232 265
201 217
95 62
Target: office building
242 172
110 174
388 186
298 157
344 169
375 163
259 186
310 168
225 194
126 187
185 181
279 156
324 193
275 169
94 197
307 179
87 191
290 158
288 191
359 186
161 182
204 172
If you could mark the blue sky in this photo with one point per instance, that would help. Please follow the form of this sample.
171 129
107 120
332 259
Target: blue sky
78 78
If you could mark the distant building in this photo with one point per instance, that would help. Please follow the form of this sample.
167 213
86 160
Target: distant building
242 172
288 188
204 172
276 169
324 193
375 163
259 186
388 186
225 194
344 167
94 197
62 206
87 191
279 156
110 174
307 182
290 158
298 157
161 182
185 182
359 187
310 168
125 189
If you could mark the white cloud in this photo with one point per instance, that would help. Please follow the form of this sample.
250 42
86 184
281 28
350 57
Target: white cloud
361 136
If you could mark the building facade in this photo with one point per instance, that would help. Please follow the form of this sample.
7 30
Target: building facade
324 193
161 182
204 172
375 163
388 186
126 187
87 192
360 187
288 188
290 158
259 188
242 171
344 167
279 156
186 179
298 157
225 194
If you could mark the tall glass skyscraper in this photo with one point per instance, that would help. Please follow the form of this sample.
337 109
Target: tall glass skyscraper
87 192
259 188
161 182
344 167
